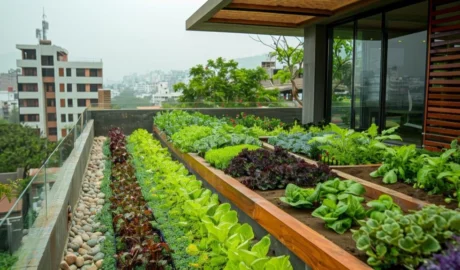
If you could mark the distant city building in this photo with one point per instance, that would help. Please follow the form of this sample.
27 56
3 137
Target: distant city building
53 92
8 93
164 94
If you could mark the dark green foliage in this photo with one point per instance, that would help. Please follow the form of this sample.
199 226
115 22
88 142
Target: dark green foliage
298 143
7 261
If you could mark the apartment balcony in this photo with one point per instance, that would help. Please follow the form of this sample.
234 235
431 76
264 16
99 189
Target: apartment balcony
31 110
50 95
50 109
51 124
28 79
27 63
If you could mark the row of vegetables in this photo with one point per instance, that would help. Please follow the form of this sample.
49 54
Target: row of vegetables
387 235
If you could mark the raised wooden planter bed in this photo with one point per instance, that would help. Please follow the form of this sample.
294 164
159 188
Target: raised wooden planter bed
310 246
373 190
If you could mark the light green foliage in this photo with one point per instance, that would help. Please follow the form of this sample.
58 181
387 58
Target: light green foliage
220 158
173 121
7 261
396 239
203 233
347 147
334 190
186 137
340 215
400 162
223 81
455 157
378 207
258 131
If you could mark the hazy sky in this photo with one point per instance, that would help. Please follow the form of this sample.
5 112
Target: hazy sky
129 35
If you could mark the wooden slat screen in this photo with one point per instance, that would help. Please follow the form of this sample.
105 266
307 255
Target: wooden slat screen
442 106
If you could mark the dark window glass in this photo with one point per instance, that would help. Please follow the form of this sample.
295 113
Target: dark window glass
29 71
52 131
29 55
47 60
80 72
81 87
69 102
68 72
48 72
81 102
51 102
93 87
70 117
69 87
63 118
51 117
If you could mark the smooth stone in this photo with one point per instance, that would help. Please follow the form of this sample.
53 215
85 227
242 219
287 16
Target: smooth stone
100 201
73 246
101 195
99 264
95 250
94 236
82 251
73 267
92 242
85 237
99 256
78 240
87 257
74 229
64 266
88 262
71 233
87 228
70 258
89 267
98 233
80 261
79 215
85 246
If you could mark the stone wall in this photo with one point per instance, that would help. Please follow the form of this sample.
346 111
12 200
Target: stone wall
130 120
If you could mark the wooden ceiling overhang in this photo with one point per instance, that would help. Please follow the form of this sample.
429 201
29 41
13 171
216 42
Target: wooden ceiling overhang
277 17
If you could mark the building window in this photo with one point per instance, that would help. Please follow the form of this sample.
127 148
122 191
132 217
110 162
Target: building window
69 102
61 87
28 87
29 71
80 72
49 87
50 102
70 117
29 55
63 118
94 102
28 102
68 72
48 72
61 72
29 118
52 131
69 87
81 87
51 117
47 60
62 103
81 102
63 132
93 87
93 72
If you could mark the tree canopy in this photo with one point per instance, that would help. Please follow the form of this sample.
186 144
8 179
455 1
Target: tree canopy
21 147
222 81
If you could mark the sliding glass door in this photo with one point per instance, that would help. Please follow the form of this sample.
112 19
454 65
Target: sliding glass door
377 74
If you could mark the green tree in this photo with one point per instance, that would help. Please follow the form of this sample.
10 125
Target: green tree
291 57
342 54
126 99
222 81
21 147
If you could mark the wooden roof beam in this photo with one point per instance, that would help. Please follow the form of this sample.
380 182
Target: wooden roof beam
252 22
279 10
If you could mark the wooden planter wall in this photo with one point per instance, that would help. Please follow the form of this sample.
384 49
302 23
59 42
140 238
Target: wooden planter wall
442 104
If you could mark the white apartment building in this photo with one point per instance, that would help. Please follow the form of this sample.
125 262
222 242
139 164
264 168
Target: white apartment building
163 94
53 91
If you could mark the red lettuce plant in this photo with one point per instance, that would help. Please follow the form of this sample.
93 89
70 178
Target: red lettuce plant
264 170
139 243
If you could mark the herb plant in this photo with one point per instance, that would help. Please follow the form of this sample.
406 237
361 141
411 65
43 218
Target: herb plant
220 158
396 239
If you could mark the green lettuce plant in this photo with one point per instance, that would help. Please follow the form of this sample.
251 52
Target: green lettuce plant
431 176
220 158
301 197
396 239
186 137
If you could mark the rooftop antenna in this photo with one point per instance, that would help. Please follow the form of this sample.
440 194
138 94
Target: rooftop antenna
45 25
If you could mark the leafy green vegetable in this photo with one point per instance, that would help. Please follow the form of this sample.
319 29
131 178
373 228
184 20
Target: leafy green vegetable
186 137
301 197
298 143
220 158
394 239
340 215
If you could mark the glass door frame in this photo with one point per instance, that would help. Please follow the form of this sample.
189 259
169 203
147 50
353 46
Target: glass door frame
383 62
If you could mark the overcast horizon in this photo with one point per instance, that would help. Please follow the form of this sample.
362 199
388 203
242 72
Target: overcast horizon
130 37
